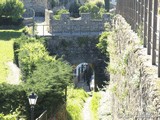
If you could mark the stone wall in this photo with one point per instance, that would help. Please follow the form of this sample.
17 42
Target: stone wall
134 83
38 5
83 24
76 50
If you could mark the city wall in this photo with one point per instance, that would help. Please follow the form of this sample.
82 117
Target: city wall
83 24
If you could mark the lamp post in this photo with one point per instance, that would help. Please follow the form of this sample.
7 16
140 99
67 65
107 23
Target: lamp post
32 101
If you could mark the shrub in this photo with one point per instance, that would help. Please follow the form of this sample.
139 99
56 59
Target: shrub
102 45
8 117
31 54
29 51
11 10
13 100
58 13
75 101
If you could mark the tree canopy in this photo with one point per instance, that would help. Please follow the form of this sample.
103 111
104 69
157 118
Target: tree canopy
11 9
96 10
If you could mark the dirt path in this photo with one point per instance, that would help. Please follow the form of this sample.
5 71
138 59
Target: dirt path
86 110
14 74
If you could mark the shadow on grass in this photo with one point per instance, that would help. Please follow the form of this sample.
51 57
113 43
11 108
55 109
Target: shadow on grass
11 27
8 35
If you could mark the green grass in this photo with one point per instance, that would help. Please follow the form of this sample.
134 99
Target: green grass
95 105
75 101
6 50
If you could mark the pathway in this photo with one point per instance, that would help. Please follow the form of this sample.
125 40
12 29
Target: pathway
86 113
86 110
41 27
14 74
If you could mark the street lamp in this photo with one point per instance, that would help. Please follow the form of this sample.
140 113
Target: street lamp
32 101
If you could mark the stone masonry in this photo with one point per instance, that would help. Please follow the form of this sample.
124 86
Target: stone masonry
84 24
134 83
38 5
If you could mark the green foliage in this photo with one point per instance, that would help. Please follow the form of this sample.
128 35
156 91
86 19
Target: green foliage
13 100
95 11
49 81
100 4
11 9
75 101
58 13
52 75
95 105
74 9
30 54
43 74
31 51
8 117
102 45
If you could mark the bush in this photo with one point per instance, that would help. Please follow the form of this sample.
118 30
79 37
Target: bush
75 101
13 100
8 117
30 52
11 10
30 55
102 45
58 13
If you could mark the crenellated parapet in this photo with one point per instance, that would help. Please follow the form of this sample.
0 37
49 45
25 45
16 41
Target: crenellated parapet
83 24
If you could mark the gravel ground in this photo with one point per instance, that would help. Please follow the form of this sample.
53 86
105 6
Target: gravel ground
14 74
86 110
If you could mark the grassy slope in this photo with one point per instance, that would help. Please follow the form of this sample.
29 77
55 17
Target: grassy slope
75 102
6 50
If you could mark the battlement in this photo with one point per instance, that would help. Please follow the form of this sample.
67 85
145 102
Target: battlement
83 24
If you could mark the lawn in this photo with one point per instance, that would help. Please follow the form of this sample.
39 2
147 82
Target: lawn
6 50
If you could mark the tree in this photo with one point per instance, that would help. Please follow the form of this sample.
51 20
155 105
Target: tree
93 9
74 9
11 9
49 81
30 54
13 99
107 5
